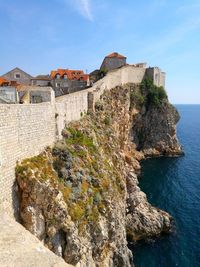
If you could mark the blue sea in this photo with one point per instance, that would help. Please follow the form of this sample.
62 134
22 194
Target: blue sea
173 184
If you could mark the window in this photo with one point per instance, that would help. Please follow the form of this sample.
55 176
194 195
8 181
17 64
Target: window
156 78
36 99
57 84
65 76
57 76
17 76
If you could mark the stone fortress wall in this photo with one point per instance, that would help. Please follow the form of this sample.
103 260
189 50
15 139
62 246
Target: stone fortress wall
25 130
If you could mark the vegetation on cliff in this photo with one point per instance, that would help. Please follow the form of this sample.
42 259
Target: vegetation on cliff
148 94
85 166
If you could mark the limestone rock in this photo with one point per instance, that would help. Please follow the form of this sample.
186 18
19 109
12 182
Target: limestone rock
144 220
154 131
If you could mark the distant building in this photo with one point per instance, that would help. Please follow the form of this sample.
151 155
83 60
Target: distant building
156 75
65 81
8 95
3 82
19 76
41 80
113 61
35 94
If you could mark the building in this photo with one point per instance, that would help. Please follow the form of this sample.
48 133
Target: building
19 76
141 70
35 94
41 80
113 61
65 81
156 75
8 95
3 82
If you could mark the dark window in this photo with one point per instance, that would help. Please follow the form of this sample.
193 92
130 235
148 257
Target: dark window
36 99
17 76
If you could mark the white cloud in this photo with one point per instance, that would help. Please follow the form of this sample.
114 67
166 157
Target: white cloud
84 7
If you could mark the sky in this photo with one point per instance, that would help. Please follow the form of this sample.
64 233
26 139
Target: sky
41 35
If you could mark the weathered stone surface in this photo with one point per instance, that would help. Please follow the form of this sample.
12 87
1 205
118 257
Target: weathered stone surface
154 131
19 248
143 220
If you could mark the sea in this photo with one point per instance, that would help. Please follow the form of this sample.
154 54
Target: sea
173 184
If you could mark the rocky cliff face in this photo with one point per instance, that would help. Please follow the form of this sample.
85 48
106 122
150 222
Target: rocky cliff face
154 131
81 198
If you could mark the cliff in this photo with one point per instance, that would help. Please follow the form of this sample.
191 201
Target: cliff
81 197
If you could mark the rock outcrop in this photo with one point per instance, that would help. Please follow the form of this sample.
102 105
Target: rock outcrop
154 131
81 198
154 127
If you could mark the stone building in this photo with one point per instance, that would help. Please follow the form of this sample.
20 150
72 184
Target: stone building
3 82
19 76
65 81
113 61
156 75
35 94
41 80
8 95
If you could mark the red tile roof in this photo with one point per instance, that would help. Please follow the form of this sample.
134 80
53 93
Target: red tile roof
71 74
115 54
3 81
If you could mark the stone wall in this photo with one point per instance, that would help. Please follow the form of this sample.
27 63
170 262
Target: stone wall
25 130
156 75
124 75
69 108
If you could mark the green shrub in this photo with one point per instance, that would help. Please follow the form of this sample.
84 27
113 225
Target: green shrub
79 138
76 212
107 120
97 198
137 99
155 94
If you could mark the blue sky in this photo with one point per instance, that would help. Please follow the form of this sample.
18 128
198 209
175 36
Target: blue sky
41 35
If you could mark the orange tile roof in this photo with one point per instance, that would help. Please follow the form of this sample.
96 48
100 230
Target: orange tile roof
115 54
3 81
71 74
6 82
